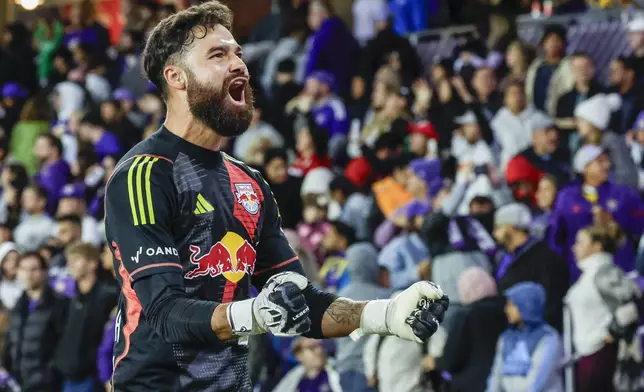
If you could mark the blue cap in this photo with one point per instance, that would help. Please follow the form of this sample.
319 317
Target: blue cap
13 90
324 77
123 94
73 191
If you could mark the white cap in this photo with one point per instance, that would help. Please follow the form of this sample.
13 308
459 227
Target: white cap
585 155
538 121
514 214
636 25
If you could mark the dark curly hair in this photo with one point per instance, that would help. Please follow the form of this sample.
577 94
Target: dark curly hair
173 36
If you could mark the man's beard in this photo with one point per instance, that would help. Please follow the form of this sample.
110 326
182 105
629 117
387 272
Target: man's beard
211 107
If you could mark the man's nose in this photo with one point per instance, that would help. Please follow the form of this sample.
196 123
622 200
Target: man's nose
238 66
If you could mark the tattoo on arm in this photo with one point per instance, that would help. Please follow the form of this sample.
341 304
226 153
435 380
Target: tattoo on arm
342 317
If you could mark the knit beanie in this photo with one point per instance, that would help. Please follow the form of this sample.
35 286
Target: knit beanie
598 109
474 284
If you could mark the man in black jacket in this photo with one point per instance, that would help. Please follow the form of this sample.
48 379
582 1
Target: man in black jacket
36 325
529 260
89 311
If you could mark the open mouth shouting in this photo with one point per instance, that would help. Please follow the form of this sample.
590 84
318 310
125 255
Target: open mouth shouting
237 91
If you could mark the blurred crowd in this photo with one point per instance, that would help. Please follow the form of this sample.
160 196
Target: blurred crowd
510 175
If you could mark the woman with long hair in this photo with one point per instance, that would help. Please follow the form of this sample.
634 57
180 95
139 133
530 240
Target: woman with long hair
599 295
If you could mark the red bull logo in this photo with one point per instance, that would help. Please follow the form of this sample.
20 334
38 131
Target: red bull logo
247 197
233 257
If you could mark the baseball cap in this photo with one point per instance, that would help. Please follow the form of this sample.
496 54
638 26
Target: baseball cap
540 120
123 94
13 90
425 128
585 155
514 214
467 118
73 191
323 77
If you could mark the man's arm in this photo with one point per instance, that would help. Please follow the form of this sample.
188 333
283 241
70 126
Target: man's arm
140 203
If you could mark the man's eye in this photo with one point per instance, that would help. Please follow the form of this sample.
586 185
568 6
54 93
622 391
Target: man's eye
217 55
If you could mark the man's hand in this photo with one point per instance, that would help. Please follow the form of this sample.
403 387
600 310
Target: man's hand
412 315
280 308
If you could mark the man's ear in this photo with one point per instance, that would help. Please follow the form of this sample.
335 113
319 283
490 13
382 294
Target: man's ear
175 77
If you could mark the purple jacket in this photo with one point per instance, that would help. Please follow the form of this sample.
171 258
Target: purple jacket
53 178
107 145
105 352
335 50
572 212
332 116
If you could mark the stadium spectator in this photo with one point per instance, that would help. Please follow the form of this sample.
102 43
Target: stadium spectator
48 37
601 305
422 139
34 122
332 49
54 171
285 187
636 145
593 119
471 342
313 373
468 146
544 153
312 147
314 225
92 130
14 180
352 205
595 199
89 310
10 288
16 56
336 242
528 259
37 323
387 48
72 202
116 118
550 76
363 285
69 232
623 81
13 98
285 88
260 135
509 123
409 16
529 353
36 226
545 200
586 86
518 57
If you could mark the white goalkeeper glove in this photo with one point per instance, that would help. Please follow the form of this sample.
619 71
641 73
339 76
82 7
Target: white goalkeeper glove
280 308
414 314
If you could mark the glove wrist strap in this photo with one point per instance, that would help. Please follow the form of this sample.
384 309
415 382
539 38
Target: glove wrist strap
241 319
374 317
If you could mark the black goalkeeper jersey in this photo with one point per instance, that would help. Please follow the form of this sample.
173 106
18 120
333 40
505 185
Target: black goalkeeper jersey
206 220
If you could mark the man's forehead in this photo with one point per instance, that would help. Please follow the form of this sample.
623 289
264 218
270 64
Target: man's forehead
216 36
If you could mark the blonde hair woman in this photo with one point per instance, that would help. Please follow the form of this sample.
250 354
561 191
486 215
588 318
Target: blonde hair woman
602 306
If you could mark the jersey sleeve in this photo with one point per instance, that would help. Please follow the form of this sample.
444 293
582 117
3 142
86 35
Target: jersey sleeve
274 254
140 203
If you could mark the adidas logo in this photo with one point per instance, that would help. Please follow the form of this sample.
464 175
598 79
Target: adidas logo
202 205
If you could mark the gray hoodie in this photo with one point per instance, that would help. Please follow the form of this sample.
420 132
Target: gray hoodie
362 266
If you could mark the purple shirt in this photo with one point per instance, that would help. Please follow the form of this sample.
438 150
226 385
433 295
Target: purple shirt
53 178
32 305
61 281
572 212
107 145
317 384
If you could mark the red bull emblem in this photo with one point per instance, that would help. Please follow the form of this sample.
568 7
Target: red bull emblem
247 197
232 257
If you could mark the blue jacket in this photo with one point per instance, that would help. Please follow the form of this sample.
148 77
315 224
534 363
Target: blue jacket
410 15
335 50
332 116
572 212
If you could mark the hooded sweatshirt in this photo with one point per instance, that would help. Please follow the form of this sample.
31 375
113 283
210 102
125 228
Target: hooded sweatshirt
10 290
529 356
362 266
